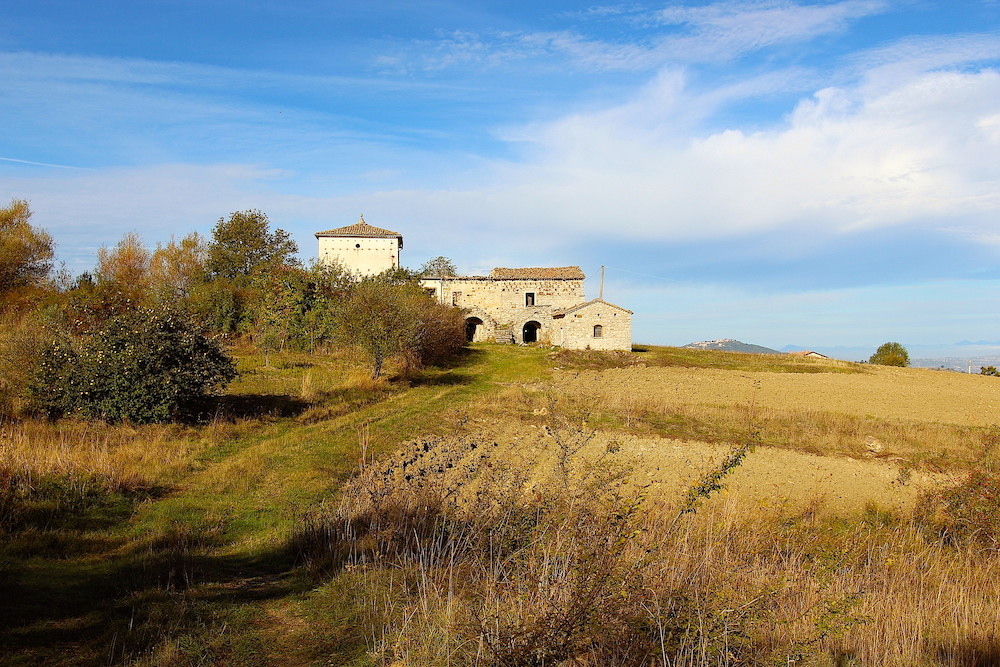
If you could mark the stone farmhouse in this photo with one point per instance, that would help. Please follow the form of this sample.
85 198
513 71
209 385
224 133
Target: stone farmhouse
524 305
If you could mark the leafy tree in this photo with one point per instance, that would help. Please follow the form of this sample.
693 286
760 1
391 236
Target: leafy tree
175 268
379 318
244 243
25 251
439 267
890 354
385 318
123 277
144 366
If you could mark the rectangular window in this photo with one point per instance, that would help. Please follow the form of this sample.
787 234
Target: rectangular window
456 298
529 298
598 331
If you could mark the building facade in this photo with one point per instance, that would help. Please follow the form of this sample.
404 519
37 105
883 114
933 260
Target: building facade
361 248
528 305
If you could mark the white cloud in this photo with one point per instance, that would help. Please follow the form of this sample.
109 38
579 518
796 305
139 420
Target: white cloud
725 29
712 33
919 152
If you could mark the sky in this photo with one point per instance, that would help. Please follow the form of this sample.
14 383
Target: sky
817 174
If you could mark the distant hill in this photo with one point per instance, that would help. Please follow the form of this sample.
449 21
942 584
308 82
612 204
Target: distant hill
731 345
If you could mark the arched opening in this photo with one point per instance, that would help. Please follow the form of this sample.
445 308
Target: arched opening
473 329
529 334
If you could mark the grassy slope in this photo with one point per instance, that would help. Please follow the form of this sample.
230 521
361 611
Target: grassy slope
75 592
199 571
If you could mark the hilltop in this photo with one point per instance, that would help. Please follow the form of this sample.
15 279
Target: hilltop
731 345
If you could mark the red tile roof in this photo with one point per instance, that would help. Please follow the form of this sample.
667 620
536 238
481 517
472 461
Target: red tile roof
361 229
539 273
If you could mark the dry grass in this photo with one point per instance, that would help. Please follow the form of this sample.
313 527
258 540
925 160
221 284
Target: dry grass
914 418
120 457
457 557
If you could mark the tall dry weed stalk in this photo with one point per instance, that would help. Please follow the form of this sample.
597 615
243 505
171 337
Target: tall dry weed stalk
465 552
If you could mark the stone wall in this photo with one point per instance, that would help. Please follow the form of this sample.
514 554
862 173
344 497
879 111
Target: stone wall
575 330
362 256
502 304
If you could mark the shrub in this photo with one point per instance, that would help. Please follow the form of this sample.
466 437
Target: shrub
384 318
146 366
890 354
967 511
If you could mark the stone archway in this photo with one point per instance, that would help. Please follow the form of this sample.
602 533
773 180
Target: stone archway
473 329
529 332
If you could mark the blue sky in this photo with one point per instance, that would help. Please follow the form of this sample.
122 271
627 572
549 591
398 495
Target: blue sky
822 174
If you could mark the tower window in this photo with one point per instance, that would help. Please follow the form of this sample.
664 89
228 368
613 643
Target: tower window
598 331
357 245
529 298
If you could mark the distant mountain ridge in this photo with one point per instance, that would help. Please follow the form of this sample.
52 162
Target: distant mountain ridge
731 345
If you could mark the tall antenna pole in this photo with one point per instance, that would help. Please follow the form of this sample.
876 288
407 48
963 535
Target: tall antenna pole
601 296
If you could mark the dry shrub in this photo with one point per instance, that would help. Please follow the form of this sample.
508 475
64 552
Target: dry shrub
22 338
454 557
967 511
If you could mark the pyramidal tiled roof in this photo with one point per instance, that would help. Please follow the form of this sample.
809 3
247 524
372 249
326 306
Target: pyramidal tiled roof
539 273
361 229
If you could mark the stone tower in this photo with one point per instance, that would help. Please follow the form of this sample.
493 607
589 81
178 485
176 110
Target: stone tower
361 248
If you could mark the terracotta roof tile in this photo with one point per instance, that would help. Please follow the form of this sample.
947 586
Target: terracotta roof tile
361 229
539 273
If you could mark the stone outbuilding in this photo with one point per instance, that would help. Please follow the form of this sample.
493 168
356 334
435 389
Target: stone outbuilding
596 324
361 248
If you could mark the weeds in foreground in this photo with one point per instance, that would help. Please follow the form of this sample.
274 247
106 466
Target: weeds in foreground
455 557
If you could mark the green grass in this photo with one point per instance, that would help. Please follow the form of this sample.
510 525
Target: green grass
117 578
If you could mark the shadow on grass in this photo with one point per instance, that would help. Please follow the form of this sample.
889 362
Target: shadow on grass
972 652
248 406
119 605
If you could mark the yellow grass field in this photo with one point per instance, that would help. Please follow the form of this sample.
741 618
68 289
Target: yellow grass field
840 441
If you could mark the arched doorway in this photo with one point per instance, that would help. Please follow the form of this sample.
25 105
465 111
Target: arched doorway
529 334
473 328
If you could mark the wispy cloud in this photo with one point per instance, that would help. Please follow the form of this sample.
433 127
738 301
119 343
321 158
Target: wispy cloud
39 164
726 29
674 35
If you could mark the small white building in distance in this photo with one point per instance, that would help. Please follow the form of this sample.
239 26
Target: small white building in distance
361 248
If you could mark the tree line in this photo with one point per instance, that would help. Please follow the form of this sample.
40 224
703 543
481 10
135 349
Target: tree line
141 335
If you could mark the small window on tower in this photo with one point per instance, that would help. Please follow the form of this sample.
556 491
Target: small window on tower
529 298
456 298
598 331
357 245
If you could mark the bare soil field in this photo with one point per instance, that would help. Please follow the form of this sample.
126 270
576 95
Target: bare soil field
889 393
836 441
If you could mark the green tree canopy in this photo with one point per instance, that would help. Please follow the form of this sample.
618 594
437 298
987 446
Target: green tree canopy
25 251
439 267
244 243
385 318
890 354
143 366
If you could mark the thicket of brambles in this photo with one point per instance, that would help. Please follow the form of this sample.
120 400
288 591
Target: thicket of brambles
140 337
